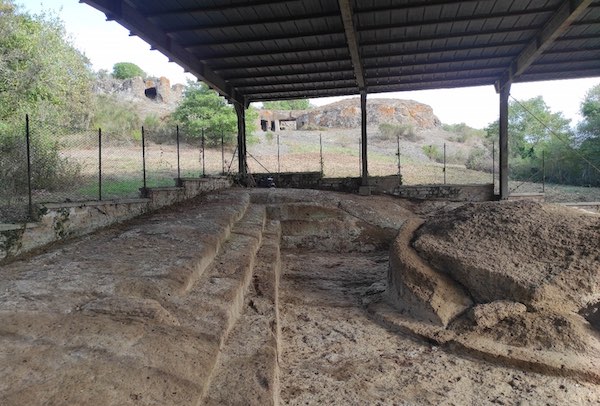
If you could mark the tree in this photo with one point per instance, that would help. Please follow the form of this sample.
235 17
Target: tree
531 124
589 135
41 73
590 111
127 70
536 134
299 104
203 109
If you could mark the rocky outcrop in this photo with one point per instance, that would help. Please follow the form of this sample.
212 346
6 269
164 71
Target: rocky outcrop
346 114
159 90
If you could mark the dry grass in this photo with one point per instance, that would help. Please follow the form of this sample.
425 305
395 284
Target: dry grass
298 151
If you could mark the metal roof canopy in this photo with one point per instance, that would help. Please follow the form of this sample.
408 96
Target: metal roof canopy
268 50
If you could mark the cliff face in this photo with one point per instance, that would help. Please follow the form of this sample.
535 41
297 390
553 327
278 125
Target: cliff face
158 90
346 114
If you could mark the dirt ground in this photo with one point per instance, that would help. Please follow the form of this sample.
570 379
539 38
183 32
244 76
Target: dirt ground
334 353
127 282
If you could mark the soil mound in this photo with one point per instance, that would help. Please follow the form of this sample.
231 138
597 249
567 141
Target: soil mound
532 271
540 255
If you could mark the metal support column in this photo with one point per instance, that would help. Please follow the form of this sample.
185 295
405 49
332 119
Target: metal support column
363 137
240 111
503 129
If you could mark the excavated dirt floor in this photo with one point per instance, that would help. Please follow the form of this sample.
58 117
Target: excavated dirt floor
334 352
282 296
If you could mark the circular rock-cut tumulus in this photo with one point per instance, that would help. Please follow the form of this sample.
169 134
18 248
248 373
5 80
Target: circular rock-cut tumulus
532 272
540 255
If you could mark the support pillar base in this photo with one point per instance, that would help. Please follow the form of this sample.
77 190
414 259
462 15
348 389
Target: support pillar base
365 190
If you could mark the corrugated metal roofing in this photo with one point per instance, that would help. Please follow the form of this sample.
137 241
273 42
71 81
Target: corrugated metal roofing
267 50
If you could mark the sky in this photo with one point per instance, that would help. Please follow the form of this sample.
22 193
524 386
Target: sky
106 43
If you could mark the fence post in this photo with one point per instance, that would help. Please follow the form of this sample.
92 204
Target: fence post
444 163
144 160
203 156
544 171
99 163
399 162
222 152
178 158
494 165
278 162
28 143
321 152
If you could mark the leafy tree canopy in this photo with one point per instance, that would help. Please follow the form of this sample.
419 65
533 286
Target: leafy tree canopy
531 124
203 109
41 73
589 132
127 70
590 110
299 104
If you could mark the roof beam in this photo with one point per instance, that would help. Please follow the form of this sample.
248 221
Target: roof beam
445 36
399 7
433 51
352 40
433 84
497 67
568 12
210 9
137 23
289 79
295 94
275 51
262 21
451 20
292 86
300 72
262 39
284 63
442 61
552 75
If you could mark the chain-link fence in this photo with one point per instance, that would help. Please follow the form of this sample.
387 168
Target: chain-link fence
49 164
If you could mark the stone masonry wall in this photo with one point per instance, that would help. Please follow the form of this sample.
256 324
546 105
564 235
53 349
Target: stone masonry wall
60 221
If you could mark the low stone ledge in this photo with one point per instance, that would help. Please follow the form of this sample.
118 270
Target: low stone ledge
60 221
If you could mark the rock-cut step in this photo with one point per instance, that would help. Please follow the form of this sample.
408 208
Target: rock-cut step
82 325
248 371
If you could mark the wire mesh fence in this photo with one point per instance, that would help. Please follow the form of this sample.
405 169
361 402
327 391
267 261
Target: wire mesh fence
48 164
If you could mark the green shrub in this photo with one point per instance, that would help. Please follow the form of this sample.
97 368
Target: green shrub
389 132
127 70
49 170
462 132
118 120
433 152
479 159
159 131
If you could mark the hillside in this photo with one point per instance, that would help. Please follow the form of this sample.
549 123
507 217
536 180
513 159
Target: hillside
346 114
151 96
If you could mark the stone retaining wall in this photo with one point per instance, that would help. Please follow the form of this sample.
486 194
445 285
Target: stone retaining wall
457 193
59 221
382 185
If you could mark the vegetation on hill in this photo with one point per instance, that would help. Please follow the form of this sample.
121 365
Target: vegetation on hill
127 70
299 104
43 75
41 72
542 143
202 109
